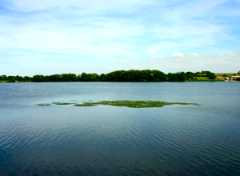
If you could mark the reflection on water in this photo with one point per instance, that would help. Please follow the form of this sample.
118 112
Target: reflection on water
103 140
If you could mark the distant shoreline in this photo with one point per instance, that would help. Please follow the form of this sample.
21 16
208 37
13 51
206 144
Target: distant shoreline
125 76
19 82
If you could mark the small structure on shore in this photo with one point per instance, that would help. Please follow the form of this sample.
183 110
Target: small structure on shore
233 78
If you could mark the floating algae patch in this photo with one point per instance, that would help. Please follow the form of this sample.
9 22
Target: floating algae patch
44 104
55 103
133 104
122 103
63 103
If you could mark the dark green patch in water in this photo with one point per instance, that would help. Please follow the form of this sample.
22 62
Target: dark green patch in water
123 103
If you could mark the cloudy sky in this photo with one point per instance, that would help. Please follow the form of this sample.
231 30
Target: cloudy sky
56 36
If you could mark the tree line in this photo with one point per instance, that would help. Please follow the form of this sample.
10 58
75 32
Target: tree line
115 76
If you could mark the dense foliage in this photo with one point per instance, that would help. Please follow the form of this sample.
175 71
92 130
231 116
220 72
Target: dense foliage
116 76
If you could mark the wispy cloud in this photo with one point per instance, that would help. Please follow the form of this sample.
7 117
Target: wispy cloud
103 35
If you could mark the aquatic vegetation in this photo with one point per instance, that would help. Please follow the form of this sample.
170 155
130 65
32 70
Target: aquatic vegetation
44 104
123 103
133 103
63 103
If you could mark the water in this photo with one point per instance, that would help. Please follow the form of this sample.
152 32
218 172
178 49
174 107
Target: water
104 140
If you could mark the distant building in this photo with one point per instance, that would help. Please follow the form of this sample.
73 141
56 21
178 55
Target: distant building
233 78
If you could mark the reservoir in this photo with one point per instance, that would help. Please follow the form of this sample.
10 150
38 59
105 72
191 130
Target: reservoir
202 140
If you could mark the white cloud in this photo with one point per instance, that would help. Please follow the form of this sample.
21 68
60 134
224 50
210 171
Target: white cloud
30 5
179 55
217 62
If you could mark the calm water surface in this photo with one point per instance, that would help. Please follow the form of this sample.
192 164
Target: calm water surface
104 140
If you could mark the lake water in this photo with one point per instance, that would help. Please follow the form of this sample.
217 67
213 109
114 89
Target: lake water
111 141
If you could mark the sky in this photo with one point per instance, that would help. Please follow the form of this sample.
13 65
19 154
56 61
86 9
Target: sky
74 36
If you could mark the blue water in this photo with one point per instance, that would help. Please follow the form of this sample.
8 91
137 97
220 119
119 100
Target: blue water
104 140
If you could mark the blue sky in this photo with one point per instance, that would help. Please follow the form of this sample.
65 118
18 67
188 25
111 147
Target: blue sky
56 36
